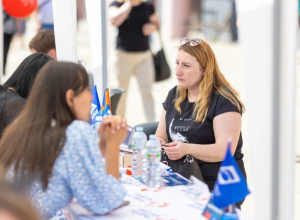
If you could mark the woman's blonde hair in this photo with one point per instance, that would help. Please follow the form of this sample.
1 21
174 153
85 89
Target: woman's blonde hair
213 81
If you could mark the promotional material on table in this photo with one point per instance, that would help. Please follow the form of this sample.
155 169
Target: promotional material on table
198 190
174 179
211 212
125 159
162 203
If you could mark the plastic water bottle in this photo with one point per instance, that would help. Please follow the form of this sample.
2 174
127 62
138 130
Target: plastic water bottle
97 125
153 150
139 140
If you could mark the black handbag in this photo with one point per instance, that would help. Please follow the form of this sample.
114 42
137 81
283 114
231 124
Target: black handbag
186 166
162 69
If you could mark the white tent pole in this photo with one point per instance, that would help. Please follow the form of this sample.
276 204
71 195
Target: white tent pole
268 31
104 44
256 36
65 29
1 43
285 44
96 19
276 109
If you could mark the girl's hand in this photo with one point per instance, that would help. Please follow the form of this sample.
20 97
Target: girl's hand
176 150
112 132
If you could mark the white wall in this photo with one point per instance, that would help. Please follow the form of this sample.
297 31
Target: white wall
270 63
65 25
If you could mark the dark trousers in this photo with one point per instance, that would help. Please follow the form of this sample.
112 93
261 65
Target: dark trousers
211 183
7 39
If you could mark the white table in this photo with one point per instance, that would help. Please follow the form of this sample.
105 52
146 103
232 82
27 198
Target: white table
166 203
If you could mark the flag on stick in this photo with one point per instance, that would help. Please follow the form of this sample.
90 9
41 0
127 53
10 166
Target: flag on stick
106 106
231 186
95 106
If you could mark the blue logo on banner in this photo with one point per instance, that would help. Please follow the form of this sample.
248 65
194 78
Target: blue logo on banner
95 106
231 186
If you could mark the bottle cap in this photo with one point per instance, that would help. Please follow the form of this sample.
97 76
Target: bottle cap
152 137
139 129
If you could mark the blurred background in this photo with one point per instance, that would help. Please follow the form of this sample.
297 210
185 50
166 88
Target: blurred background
215 21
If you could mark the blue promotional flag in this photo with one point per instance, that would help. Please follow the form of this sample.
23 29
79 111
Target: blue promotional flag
105 107
231 186
95 106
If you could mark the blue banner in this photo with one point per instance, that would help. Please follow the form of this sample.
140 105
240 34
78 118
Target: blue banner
231 186
95 106
105 107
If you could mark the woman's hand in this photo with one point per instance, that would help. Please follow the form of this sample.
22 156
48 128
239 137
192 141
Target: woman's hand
161 141
112 132
176 150
148 29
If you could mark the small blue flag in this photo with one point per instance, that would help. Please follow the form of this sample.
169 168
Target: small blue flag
95 106
105 108
231 186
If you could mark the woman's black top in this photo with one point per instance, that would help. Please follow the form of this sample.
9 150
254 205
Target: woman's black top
11 104
184 128
131 37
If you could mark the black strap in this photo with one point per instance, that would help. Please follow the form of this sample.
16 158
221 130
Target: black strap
238 155
3 94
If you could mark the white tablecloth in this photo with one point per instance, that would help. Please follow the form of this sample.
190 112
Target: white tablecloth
166 203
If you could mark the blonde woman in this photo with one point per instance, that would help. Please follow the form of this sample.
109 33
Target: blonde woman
201 112
136 20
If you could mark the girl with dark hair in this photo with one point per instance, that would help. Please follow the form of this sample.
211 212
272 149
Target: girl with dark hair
14 92
57 149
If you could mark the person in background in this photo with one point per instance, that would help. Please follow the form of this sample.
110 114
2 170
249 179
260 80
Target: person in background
44 42
81 12
202 112
57 149
44 15
14 205
9 28
15 91
233 23
136 20
21 29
